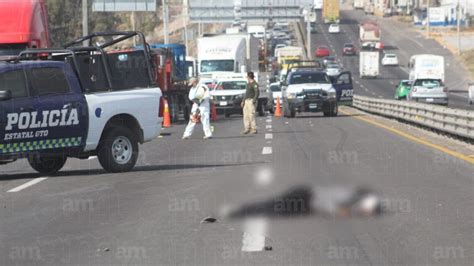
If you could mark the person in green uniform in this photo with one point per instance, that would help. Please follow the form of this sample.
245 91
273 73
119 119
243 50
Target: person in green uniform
249 105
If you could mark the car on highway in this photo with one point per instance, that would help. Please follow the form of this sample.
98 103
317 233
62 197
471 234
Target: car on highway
311 90
390 60
349 49
276 89
402 89
228 94
322 51
334 28
428 90
328 60
333 69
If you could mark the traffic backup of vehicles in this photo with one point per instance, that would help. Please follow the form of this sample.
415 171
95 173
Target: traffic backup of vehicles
402 89
349 49
318 4
23 24
228 94
78 102
427 74
369 64
311 90
390 60
331 11
370 35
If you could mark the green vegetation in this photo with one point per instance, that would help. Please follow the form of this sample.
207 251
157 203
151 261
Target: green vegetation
65 21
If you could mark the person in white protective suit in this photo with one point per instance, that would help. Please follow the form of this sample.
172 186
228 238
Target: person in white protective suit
200 111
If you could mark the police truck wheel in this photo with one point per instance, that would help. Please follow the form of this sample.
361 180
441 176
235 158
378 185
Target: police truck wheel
47 164
261 110
118 151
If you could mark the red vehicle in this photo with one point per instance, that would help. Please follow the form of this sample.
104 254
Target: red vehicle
322 51
349 49
23 24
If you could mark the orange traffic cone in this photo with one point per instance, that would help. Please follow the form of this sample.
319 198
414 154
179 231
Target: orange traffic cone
213 112
278 108
166 115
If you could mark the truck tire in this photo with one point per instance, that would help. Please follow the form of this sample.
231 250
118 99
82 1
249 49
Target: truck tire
47 164
118 150
332 111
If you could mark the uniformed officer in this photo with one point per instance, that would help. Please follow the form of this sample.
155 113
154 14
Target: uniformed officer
249 105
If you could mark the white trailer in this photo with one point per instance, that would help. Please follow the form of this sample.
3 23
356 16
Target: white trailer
252 50
369 64
318 4
426 66
358 4
221 54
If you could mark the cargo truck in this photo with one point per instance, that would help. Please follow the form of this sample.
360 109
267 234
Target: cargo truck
331 11
23 24
370 35
220 54
369 64
358 4
426 66
318 4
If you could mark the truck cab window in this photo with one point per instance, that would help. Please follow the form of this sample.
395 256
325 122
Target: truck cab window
50 80
15 82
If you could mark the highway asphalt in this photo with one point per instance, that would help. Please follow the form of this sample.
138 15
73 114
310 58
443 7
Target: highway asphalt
399 38
153 215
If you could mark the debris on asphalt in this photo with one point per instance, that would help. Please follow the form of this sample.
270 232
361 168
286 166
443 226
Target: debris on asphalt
209 220
268 248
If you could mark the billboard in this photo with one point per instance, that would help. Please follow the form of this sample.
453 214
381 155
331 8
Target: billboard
123 5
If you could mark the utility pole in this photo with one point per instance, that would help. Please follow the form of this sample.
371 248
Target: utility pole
85 25
428 18
185 21
458 20
165 21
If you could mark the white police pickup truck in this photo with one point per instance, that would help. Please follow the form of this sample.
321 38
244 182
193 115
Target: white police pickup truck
79 102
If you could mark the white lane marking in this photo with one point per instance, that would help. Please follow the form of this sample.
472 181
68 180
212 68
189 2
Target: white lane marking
391 82
269 136
366 89
268 126
92 158
373 93
357 82
253 239
269 120
28 184
267 150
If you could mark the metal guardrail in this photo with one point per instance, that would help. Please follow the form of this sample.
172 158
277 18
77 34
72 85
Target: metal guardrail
454 121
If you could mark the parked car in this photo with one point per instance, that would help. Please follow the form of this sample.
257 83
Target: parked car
428 91
322 51
349 49
390 60
334 28
402 89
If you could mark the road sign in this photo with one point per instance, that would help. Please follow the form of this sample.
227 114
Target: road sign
218 11
123 5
